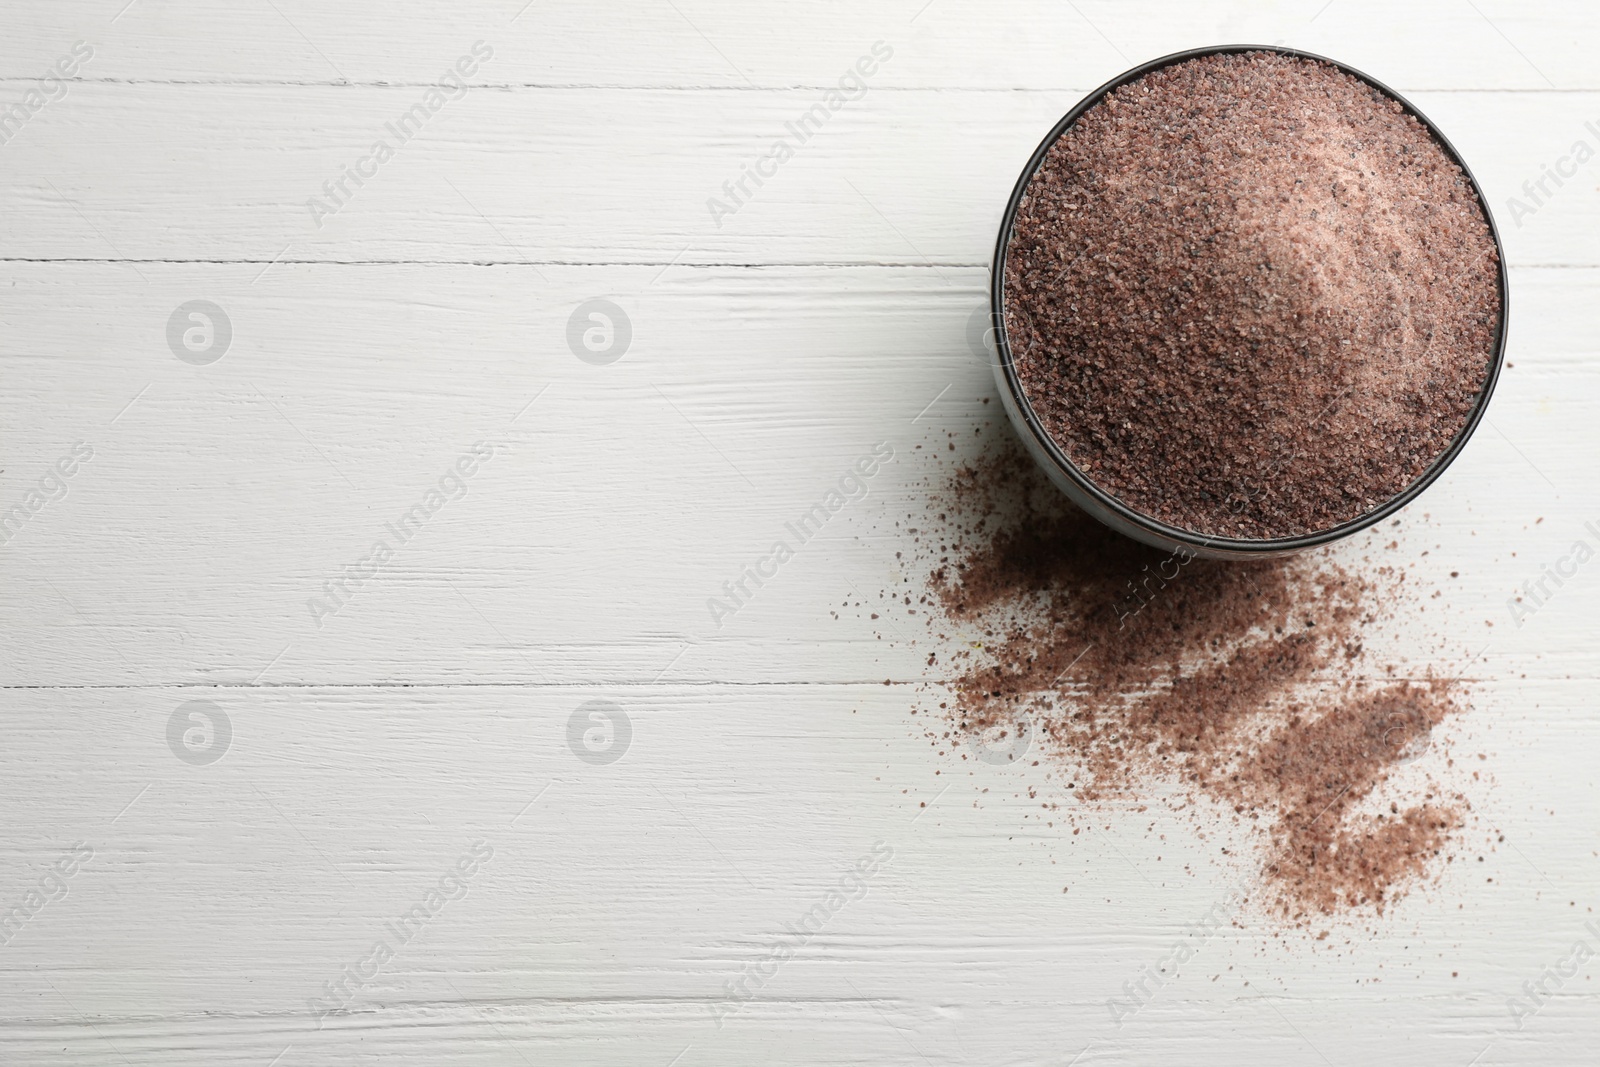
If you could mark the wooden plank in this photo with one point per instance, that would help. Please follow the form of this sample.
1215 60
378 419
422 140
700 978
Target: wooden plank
172 172
221 498
1427 44
620 899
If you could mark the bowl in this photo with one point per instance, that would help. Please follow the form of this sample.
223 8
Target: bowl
1111 511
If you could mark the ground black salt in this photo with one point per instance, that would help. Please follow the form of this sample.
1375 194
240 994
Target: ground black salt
1247 686
1250 296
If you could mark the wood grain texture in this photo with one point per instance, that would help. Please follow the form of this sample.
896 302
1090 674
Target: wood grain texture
746 394
765 756
598 176
714 44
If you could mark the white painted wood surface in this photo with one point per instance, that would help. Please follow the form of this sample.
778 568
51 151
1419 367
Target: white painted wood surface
766 756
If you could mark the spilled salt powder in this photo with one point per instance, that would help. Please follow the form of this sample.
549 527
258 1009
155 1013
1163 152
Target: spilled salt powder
1246 687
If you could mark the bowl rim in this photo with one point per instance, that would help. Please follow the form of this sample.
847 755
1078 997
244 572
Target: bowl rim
1144 527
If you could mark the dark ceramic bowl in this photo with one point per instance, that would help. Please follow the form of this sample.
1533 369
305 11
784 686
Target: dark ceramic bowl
1111 511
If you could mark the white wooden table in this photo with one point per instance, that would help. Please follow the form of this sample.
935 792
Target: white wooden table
208 882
